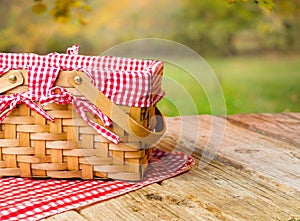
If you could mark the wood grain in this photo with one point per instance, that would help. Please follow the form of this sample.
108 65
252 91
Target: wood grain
242 172
67 216
274 159
284 126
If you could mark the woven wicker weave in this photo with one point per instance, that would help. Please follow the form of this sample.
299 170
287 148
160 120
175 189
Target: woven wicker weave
31 146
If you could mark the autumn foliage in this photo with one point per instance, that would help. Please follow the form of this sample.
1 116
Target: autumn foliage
222 27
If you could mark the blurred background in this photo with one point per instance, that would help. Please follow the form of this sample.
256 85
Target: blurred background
253 47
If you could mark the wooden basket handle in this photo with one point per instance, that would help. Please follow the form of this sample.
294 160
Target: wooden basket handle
11 80
82 83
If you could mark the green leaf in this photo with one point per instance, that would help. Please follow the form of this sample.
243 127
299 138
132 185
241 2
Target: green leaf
266 4
39 7
263 4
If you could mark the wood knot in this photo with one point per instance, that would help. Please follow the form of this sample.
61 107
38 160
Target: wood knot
152 196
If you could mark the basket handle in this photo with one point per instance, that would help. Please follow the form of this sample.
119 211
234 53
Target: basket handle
11 80
82 83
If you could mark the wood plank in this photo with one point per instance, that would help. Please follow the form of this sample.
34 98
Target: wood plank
66 216
273 159
285 126
153 202
218 192
232 194
293 115
240 174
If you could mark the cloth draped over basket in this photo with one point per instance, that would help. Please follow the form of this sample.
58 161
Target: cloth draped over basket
124 81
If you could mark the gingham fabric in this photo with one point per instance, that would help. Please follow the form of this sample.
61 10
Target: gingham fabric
125 81
25 199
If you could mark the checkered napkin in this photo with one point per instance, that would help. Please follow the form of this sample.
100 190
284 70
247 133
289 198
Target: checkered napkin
125 81
31 199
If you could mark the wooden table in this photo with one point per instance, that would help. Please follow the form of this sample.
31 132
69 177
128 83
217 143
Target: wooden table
254 174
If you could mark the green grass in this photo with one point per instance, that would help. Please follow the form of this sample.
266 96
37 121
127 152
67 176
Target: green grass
257 84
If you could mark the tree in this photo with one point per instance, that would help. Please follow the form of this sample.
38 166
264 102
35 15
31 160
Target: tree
205 26
280 27
263 4
212 25
62 10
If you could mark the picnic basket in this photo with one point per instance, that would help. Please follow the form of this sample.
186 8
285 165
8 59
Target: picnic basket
76 116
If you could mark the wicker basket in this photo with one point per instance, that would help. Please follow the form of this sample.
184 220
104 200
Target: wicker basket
31 146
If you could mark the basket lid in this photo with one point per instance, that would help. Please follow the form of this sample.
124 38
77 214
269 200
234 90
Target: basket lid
125 81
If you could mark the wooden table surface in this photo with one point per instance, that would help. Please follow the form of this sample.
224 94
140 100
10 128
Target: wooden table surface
247 168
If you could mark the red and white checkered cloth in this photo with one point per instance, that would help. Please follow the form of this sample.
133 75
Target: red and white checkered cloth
25 199
125 81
